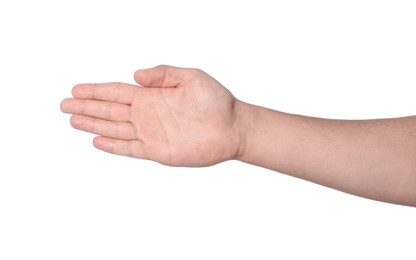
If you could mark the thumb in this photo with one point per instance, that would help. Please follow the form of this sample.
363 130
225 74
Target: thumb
161 76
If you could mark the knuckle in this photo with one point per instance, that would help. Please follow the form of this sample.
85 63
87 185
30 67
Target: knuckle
197 73
108 111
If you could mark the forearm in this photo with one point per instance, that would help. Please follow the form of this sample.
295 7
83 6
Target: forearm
370 158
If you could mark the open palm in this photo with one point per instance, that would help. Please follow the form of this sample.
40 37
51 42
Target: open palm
180 117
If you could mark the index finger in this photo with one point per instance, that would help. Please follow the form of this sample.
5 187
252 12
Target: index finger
114 92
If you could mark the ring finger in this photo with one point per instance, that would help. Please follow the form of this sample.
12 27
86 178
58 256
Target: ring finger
117 130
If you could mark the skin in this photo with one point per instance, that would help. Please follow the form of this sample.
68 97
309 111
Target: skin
184 117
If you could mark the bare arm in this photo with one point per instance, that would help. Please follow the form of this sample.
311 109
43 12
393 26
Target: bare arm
369 158
184 117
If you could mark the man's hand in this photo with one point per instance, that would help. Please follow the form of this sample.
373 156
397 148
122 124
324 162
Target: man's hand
177 116
184 117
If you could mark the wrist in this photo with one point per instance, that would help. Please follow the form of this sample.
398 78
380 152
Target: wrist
244 120
266 136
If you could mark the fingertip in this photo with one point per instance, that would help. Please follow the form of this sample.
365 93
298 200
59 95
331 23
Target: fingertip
96 141
75 90
138 75
144 77
159 76
76 121
102 143
64 105
83 90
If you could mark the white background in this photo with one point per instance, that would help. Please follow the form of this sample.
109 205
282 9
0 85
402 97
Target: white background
62 199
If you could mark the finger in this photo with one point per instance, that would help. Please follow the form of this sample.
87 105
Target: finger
119 130
134 148
161 76
99 109
114 92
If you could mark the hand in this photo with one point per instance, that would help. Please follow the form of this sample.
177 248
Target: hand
177 116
